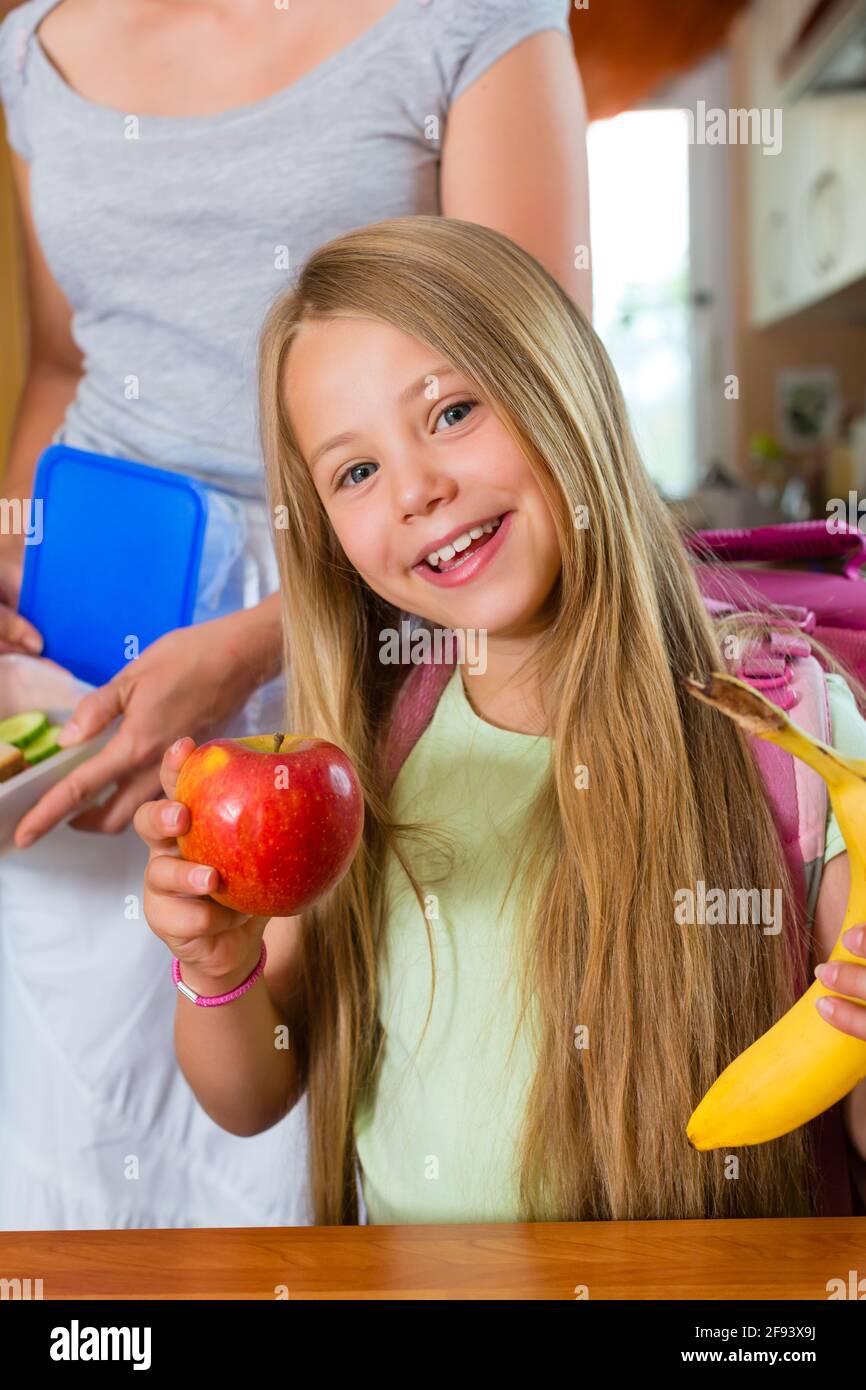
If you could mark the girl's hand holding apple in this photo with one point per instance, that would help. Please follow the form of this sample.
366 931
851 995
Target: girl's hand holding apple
243 1080
217 946
280 817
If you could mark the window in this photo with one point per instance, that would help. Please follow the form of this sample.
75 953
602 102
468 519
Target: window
639 207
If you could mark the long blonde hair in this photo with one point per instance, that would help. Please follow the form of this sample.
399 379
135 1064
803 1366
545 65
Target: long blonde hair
674 795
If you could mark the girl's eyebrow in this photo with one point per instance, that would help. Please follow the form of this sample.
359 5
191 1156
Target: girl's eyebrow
444 369
338 440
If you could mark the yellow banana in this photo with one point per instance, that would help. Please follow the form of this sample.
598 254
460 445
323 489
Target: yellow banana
803 1064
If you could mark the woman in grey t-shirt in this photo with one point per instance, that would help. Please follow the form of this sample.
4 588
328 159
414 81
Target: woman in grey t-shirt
175 164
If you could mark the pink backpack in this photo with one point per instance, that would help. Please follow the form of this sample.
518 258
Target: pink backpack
831 605
781 667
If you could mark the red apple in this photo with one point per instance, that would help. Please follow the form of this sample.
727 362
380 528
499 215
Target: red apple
278 815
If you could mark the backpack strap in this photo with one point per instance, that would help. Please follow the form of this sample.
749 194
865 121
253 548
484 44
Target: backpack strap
414 707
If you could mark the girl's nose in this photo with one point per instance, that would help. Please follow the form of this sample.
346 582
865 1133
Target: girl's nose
421 486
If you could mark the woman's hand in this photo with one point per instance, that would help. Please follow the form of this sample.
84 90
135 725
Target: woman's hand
217 947
184 683
848 1015
16 634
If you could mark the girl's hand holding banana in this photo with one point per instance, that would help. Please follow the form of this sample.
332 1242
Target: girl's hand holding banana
846 978
811 1058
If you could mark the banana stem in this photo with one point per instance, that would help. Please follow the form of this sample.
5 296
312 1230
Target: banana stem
758 715
844 776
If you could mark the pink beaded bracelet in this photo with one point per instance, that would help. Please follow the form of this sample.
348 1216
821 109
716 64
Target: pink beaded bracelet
209 1001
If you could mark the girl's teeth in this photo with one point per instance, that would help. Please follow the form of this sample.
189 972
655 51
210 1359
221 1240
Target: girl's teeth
461 542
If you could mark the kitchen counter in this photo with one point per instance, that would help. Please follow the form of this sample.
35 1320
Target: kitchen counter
748 1259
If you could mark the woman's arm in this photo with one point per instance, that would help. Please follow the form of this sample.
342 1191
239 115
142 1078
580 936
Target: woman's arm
241 650
514 157
829 915
54 360
50 383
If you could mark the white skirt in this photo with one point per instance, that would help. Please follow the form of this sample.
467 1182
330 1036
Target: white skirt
98 1126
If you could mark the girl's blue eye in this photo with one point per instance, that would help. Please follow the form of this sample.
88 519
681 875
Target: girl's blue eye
355 474
355 469
458 405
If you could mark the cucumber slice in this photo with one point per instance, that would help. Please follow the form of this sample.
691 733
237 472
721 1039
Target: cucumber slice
22 729
43 745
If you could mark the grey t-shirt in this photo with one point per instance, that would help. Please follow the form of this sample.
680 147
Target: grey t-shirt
170 236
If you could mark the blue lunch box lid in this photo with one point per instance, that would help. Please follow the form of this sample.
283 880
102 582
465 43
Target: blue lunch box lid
115 563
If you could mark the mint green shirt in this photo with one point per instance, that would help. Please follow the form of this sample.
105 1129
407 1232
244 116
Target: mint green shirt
848 736
437 1141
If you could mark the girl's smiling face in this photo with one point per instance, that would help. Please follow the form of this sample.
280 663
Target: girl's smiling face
431 499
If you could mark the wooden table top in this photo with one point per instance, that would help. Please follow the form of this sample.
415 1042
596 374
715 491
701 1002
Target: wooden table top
768 1259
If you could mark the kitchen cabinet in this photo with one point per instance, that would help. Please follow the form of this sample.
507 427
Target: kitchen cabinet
807 223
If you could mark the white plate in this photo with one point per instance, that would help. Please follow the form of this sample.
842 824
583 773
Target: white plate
32 682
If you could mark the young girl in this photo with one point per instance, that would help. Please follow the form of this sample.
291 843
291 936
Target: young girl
175 162
496 1012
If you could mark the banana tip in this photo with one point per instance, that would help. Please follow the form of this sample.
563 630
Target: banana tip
696 1138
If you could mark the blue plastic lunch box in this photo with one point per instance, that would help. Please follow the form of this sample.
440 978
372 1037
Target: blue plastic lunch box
111 557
